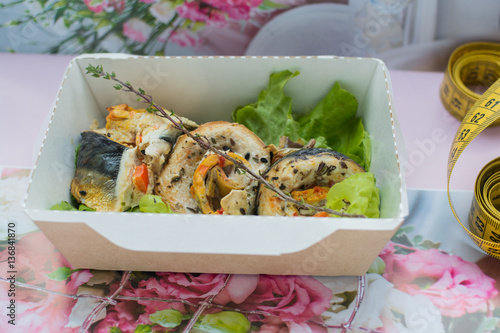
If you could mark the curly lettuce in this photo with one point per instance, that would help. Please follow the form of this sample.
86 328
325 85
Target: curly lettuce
148 204
271 116
356 194
332 122
334 119
64 205
153 204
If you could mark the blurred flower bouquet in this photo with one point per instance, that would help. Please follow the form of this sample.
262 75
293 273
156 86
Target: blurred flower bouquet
137 26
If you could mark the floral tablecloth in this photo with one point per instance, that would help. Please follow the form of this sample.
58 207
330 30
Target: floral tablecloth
429 278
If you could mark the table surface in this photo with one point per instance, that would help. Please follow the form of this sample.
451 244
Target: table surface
28 87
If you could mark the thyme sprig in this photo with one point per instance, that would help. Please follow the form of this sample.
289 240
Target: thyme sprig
204 142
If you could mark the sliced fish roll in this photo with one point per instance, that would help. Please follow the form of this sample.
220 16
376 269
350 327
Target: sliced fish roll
156 137
109 176
307 175
197 181
153 135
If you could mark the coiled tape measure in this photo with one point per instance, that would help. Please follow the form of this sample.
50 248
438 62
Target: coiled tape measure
476 64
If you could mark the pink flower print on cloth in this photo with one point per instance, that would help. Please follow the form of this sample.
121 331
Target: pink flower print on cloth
37 259
238 288
275 325
290 298
122 315
454 285
192 287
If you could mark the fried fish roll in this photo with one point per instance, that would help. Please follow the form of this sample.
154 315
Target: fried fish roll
153 135
109 176
197 181
307 175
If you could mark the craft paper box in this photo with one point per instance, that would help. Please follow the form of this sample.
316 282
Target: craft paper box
204 89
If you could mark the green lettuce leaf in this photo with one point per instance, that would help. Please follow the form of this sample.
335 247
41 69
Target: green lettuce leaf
271 116
86 208
357 194
63 205
332 123
153 204
334 119
148 204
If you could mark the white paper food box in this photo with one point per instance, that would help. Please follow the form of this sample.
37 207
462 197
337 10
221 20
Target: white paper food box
205 89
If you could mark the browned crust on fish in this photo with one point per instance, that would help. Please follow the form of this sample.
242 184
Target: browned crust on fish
302 170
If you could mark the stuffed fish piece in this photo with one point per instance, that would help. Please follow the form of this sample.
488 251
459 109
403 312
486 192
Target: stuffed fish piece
195 180
307 175
109 176
119 163
152 134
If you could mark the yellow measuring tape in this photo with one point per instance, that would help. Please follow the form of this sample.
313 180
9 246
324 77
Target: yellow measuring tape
476 64
470 65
